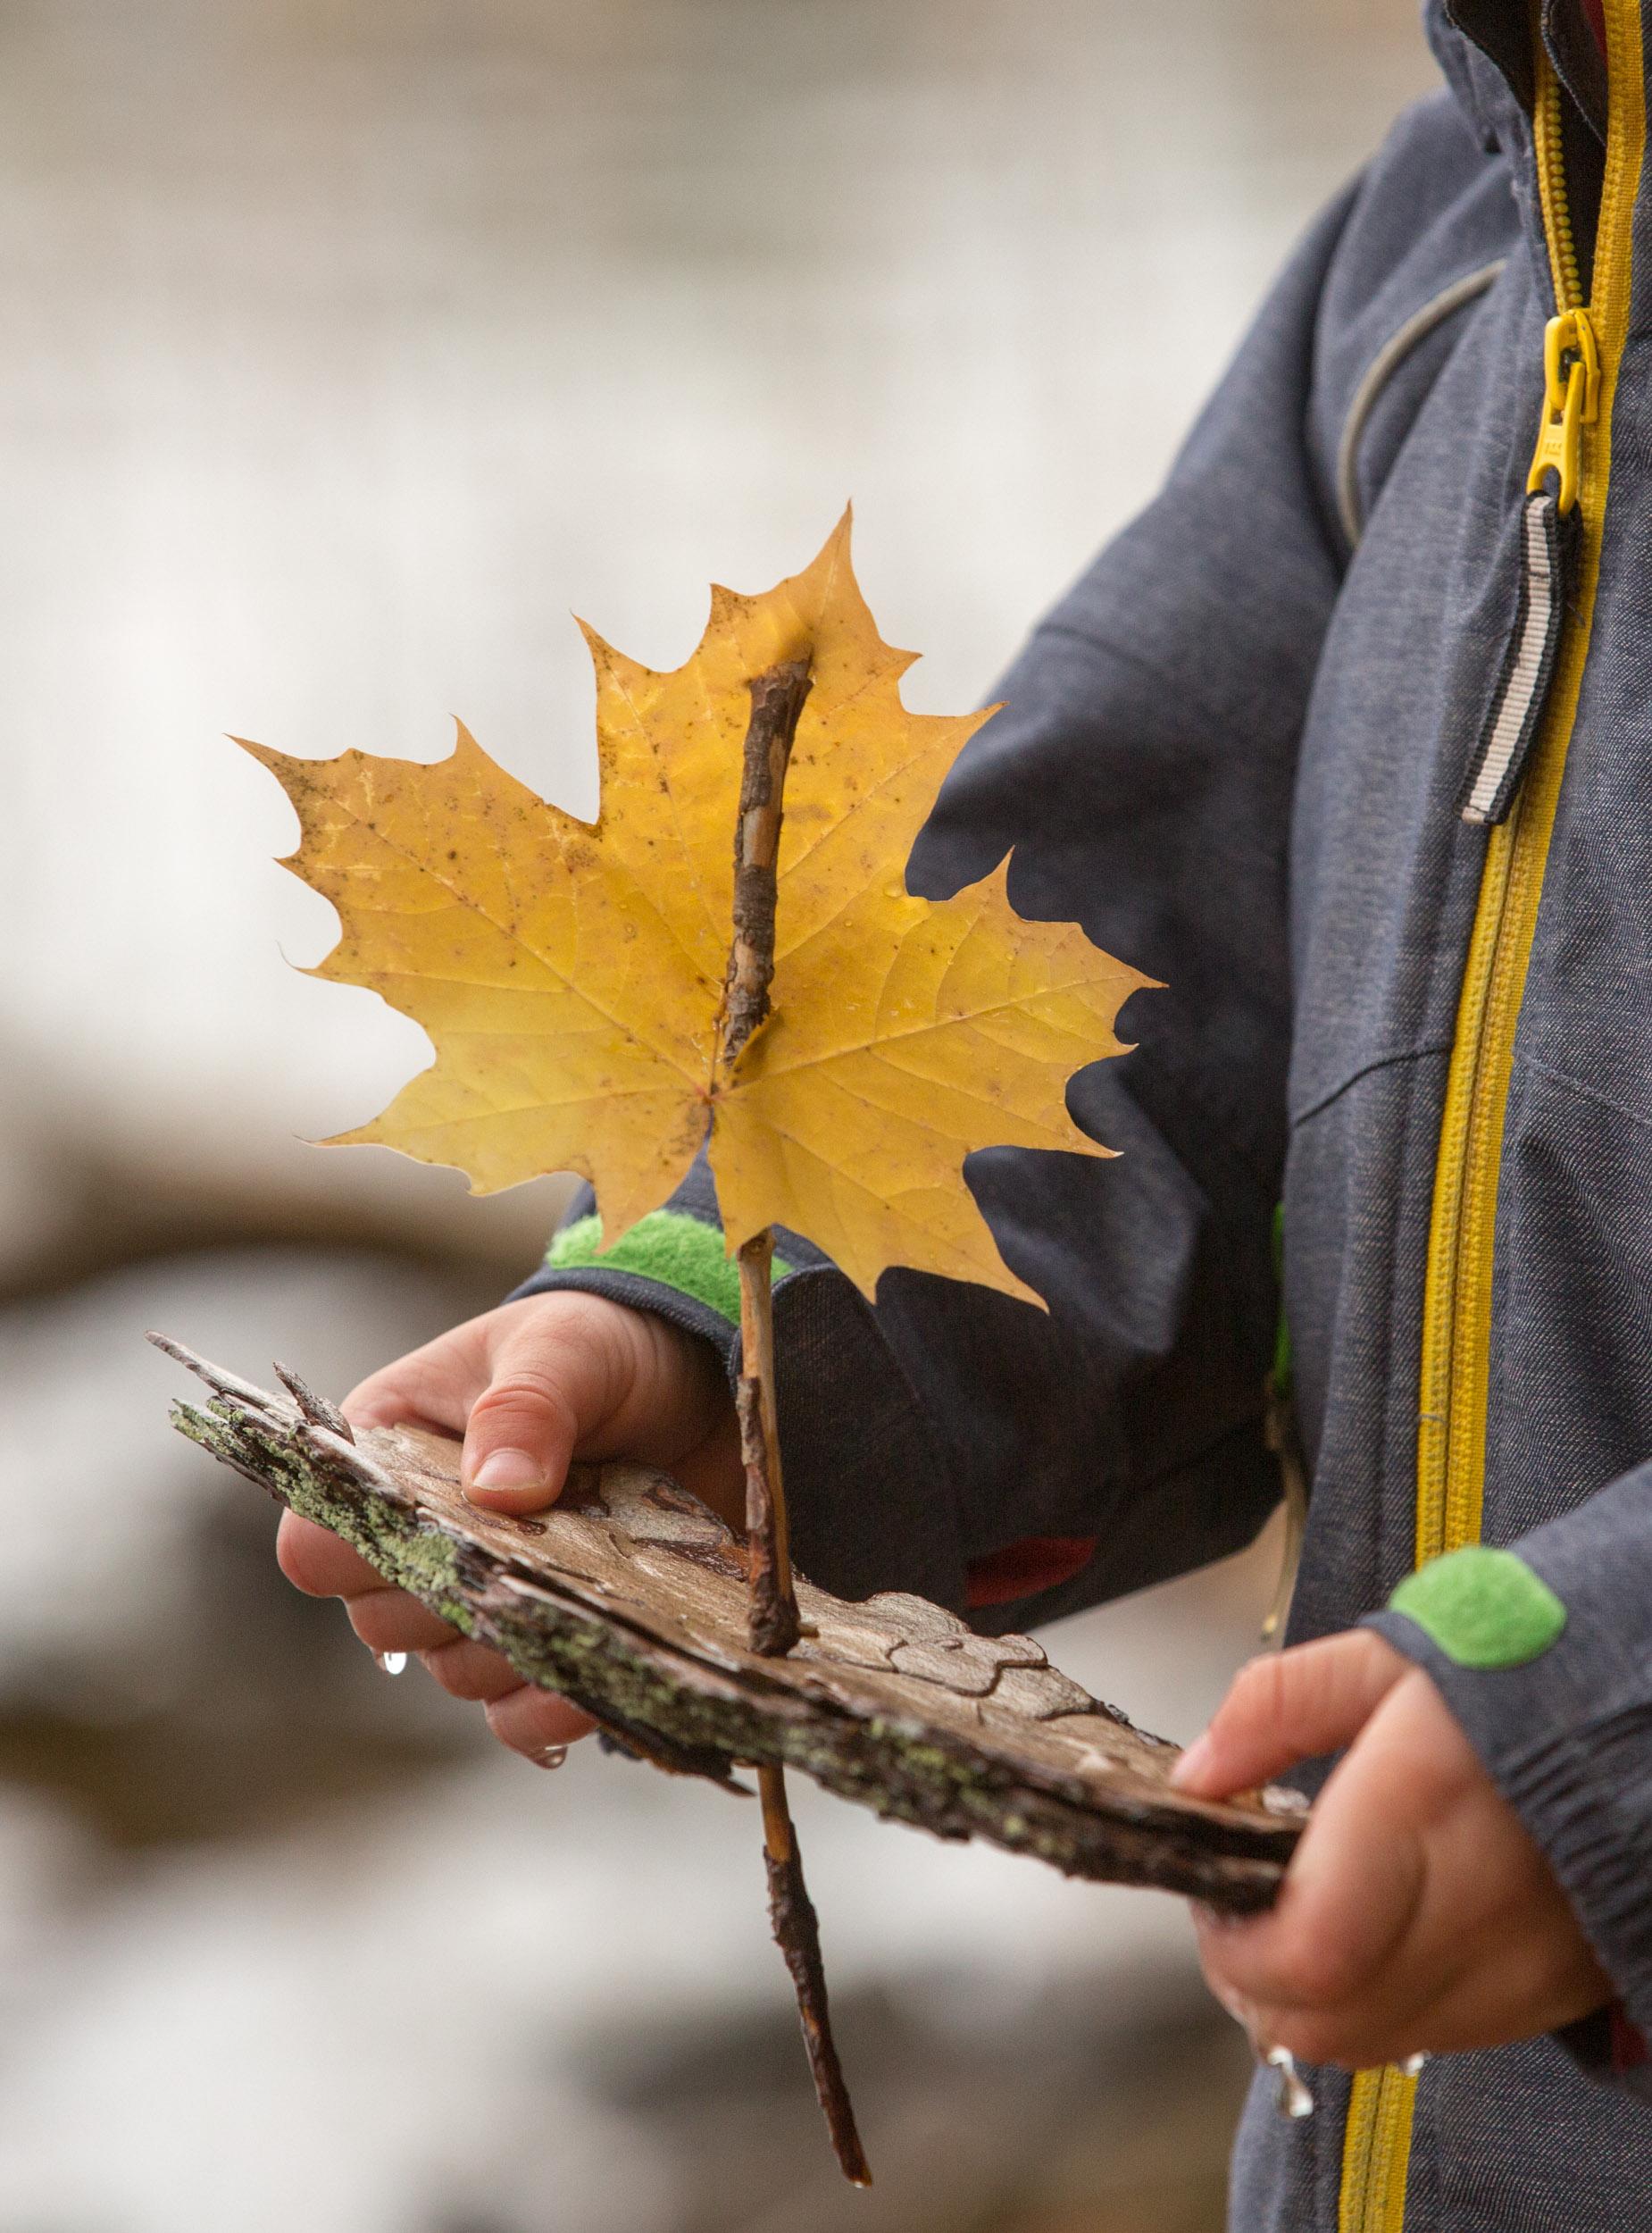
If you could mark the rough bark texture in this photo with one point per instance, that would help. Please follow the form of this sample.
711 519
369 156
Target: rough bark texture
776 703
775 1624
631 1597
797 1934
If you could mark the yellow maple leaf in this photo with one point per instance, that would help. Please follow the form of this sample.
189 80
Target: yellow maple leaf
571 974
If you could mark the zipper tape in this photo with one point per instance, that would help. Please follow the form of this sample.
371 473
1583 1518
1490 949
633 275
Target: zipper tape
1547 545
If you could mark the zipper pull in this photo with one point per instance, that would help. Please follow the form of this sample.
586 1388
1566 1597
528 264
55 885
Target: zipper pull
1548 535
1571 402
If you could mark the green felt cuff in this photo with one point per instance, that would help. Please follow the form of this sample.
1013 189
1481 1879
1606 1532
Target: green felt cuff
668 1246
1484 1609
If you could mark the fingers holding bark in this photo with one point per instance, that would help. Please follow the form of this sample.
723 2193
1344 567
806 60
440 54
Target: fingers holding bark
469 1670
535 1722
319 1563
390 1621
561 1369
1289 1706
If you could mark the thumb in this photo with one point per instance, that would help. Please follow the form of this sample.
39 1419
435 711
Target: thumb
1289 1706
552 1381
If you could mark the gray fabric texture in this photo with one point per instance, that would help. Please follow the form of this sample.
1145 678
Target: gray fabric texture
1232 751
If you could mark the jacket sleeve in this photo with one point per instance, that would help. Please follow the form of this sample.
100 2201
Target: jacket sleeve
1543 1651
956 1442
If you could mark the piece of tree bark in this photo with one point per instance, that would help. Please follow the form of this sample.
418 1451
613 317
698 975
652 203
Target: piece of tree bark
629 1597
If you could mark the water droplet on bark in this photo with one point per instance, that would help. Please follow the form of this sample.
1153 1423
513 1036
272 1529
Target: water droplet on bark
1294 2099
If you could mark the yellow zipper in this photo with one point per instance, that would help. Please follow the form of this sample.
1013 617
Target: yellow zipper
1582 355
1376 2153
1549 149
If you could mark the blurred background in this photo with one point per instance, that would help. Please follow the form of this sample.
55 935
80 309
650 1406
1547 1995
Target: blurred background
349 345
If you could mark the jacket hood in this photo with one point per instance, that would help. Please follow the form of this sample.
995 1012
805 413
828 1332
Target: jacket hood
1483 48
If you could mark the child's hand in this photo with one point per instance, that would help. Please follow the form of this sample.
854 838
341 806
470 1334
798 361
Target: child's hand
529 1385
1416 1913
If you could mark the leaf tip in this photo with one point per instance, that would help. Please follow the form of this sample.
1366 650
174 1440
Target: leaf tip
265 755
837 546
601 650
358 1136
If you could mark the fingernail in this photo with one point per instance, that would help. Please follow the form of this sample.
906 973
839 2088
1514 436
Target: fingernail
1193 1761
508 1469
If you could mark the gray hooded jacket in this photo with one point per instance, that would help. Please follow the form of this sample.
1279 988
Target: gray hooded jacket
1237 752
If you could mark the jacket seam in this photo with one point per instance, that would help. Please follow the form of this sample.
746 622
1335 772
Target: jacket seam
1587 1092
1366 1069
1401 343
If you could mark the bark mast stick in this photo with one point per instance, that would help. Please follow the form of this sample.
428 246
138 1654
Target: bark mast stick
775 1626
791 1912
777 699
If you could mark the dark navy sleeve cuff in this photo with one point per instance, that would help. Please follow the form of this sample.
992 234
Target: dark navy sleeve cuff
637 1293
869 1501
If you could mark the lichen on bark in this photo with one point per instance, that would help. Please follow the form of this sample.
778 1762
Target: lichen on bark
647 1662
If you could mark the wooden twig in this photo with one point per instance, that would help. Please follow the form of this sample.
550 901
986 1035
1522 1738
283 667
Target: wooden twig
796 1931
776 702
777 699
774 1623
